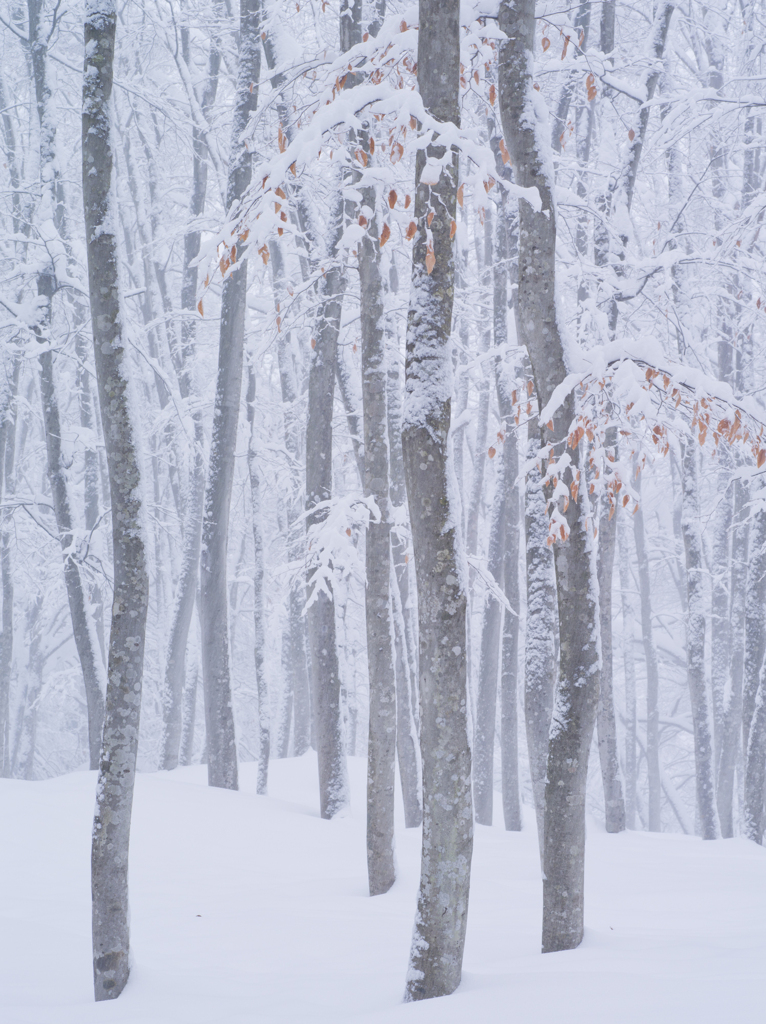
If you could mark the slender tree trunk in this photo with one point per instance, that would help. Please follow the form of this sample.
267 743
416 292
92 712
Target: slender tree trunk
629 665
436 953
755 622
574 715
652 674
189 715
731 733
695 647
114 795
175 664
755 770
7 453
540 636
214 618
406 695
381 750
720 627
259 615
614 805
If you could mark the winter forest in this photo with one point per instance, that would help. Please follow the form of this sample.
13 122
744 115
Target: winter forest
382 437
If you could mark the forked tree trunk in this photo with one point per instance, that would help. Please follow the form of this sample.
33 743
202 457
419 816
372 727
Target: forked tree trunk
576 701
436 954
114 794
214 618
695 646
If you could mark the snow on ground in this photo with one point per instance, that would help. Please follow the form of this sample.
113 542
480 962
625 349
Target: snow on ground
253 909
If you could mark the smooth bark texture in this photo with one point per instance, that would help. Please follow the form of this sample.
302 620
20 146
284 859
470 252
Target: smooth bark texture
614 804
114 794
695 646
381 749
214 618
259 617
576 701
629 669
652 672
175 664
436 954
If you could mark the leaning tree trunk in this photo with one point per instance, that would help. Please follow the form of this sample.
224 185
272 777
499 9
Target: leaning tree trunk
436 955
82 627
214 618
574 714
695 646
114 794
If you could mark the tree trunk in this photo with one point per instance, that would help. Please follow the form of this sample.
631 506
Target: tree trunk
214 618
614 805
259 615
114 795
755 622
436 953
576 703
7 453
381 750
175 664
731 732
652 673
320 614
629 664
695 646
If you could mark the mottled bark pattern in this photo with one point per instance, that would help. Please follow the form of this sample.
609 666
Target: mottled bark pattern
114 795
320 615
576 701
437 947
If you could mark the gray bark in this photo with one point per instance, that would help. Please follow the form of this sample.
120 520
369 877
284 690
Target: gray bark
320 614
614 804
540 658
57 477
214 618
629 666
114 795
259 615
720 627
755 622
436 954
695 646
574 715
732 712
406 696
381 750
175 664
652 673
7 453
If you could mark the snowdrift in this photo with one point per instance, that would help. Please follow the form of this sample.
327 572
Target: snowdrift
253 909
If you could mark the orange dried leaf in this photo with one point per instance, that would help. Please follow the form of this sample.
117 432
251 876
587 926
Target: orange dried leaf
199 307
492 453
411 231
492 94
460 195
392 198
452 229
430 260
385 235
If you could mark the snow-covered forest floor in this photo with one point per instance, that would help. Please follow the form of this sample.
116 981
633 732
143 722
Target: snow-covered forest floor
247 908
